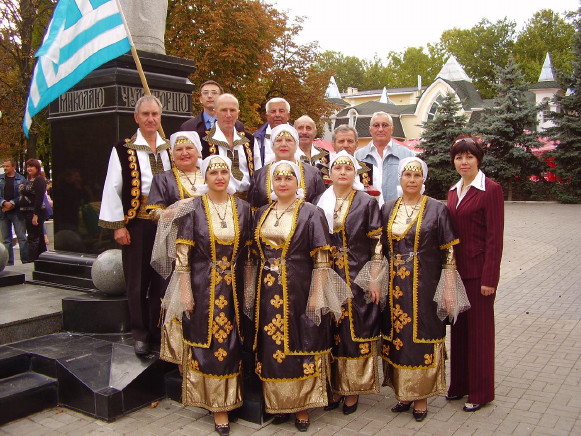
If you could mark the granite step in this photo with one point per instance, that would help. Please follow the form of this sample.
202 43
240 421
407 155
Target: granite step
26 393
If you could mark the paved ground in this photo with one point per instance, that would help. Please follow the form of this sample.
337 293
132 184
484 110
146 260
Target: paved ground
538 364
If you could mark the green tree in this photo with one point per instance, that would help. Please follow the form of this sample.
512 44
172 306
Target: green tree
509 129
414 61
545 32
376 75
295 77
22 27
480 50
349 71
439 132
567 130
231 42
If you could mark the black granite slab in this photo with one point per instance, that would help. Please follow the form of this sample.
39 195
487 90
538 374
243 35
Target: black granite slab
24 394
173 385
253 406
96 312
13 362
10 278
102 378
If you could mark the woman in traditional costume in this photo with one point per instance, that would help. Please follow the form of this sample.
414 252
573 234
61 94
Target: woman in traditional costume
181 182
355 226
212 231
296 289
285 140
476 206
418 241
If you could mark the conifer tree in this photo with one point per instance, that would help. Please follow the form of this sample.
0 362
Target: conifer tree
439 132
567 130
509 130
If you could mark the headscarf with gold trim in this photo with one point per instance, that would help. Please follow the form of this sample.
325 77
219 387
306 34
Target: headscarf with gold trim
287 129
297 173
404 164
215 160
328 200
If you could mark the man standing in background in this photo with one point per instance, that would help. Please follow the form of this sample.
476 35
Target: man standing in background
10 216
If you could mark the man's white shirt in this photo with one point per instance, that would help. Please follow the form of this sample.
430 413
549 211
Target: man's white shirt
111 205
244 184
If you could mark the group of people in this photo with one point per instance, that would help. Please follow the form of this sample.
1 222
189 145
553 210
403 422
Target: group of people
218 226
25 208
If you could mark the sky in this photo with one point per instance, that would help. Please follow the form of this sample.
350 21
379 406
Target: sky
364 28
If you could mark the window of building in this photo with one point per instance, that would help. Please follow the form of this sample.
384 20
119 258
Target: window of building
352 117
435 106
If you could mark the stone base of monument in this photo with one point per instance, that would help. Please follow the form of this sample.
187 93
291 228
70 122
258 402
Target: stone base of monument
96 312
253 407
97 375
64 269
9 278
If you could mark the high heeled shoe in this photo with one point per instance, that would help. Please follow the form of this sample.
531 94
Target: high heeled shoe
302 425
419 415
348 410
334 404
222 429
401 407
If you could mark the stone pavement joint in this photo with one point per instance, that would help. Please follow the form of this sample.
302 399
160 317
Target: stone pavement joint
538 357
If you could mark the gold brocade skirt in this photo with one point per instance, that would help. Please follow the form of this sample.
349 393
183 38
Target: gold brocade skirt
417 384
356 375
289 396
172 342
210 392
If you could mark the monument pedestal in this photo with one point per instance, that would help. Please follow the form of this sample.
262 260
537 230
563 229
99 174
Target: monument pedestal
85 123
103 378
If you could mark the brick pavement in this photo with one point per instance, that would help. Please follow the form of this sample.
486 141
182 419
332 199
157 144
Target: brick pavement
538 364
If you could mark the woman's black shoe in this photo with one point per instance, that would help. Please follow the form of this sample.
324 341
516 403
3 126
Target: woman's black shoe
347 410
454 397
334 404
302 424
222 429
280 418
401 407
419 415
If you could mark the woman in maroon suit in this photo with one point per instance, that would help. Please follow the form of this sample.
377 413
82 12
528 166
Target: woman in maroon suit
476 207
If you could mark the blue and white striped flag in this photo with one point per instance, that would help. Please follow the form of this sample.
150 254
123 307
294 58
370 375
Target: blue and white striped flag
82 35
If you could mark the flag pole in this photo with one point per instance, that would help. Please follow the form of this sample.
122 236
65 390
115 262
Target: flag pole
138 62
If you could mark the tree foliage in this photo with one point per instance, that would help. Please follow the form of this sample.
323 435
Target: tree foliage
414 62
22 26
545 32
509 129
230 41
567 130
397 70
349 71
249 48
438 134
481 50
295 77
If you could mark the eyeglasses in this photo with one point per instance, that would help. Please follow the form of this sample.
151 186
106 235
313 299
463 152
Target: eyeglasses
378 125
210 92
